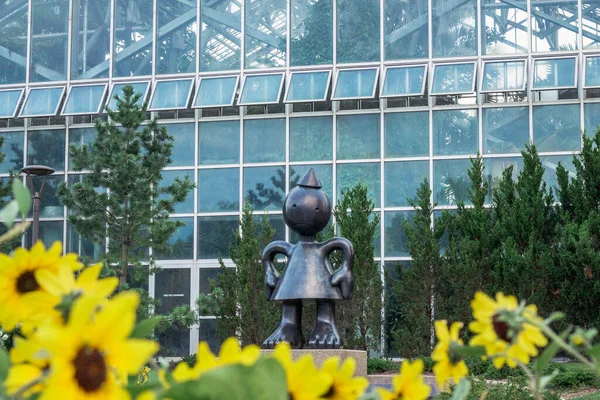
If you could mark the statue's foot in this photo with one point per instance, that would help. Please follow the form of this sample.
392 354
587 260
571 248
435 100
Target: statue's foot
325 336
286 332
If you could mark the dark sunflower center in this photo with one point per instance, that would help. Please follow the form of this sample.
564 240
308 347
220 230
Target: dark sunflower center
26 282
501 328
330 393
90 369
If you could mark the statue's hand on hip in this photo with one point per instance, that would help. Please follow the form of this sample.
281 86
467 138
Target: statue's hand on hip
342 278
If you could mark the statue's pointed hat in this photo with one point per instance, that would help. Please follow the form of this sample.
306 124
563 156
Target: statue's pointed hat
310 180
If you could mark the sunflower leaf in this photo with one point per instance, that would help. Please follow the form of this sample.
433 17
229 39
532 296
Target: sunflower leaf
462 390
594 351
544 359
9 213
4 365
144 328
470 351
556 316
545 380
22 196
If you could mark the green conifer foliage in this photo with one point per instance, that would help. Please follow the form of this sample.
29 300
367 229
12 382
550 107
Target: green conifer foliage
5 196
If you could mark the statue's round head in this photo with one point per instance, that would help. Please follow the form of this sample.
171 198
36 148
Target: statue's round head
306 208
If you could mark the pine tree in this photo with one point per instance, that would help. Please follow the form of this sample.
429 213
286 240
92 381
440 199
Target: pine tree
5 197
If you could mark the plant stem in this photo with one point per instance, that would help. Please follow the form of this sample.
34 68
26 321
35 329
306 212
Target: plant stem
569 349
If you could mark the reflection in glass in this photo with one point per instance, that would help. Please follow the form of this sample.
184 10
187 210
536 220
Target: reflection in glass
454 28
214 92
455 132
402 179
183 146
358 136
220 38
207 332
324 173
50 232
13 149
49 41
172 289
404 81
453 78
46 147
13 41
505 30
90 39
556 127
180 245
357 31
308 86
218 189
215 234
168 178
494 167
450 181
348 175
9 100
311 138
219 142
554 25
396 241
591 113
259 89
406 134
85 248
265 35
503 76
554 73
355 84
132 38
117 90
405 29
264 187
169 95
505 130
42 101
50 205
591 30
264 140
176 44
84 100
592 72
311 40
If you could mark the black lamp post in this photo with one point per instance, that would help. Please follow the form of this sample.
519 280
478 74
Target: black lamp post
31 171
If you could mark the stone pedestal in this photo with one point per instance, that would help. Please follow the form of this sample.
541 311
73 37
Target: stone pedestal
319 356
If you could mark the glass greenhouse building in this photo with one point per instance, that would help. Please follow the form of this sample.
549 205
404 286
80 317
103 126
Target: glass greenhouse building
255 92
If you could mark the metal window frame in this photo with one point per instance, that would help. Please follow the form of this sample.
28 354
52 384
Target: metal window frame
291 75
112 90
245 76
385 70
22 90
62 93
198 86
155 88
100 103
337 77
486 62
473 85
584 85
532 73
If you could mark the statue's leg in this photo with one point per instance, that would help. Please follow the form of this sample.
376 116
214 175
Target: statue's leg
290 328
325 334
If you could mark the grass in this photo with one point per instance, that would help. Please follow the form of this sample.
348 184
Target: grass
593 396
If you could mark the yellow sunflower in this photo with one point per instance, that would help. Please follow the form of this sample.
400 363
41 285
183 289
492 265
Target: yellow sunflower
505 329
449 364
409 385
304 381
29 363
343 385
18 281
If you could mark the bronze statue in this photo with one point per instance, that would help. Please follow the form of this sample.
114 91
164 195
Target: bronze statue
308 274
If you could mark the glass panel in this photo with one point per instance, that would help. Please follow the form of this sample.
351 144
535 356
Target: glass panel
396 241
308 86
207 275
450 181
13 149
13 41
357 31
348 175
454 28
138 87
358 136
494 167
218 189
220 39
207 332
505 130
50 232
9 100
355 83
402 179
180 244
49 41
42 102
505 30
406 134
219 142
550 163
171 94
172 289
133 38
324 173
264 187
592 72
265 35
85 248
405 29
554 26
261 89
46 147
264 140
551 74
168 177
503 76
311 138
216 92
215 234
183 146
311 41
79 137
591 112
557 128
453 78
90 39
455 132
591 29
404 81
84 100
50 205
176 45
276 222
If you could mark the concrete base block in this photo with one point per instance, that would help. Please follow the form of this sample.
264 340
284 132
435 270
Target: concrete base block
320 356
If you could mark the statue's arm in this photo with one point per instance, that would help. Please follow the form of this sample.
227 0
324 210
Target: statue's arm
343 276
271 273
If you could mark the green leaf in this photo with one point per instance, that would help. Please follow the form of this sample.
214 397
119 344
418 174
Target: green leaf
9 213
22 196
549 352
471 351
4 365
144 328
545 380
594 351
556 316
462 390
